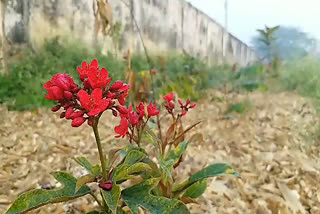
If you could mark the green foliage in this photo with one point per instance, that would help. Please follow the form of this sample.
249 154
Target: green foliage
291 43
35 198
112 197
210 171
301 76
23 88
266 39
196 189
139 196
239 108
82 161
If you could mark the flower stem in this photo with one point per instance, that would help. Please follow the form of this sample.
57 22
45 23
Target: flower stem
98 141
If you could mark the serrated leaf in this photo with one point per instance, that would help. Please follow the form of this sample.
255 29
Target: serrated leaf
139 196
36 198
112 197
209 171
196 189
82 161
83 180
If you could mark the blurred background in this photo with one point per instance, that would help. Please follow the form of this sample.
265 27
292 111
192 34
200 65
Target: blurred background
253 67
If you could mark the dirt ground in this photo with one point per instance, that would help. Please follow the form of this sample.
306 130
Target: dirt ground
271 146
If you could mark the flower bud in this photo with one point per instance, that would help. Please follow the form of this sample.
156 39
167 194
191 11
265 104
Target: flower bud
106 185
114 112
180 102
69 112
63 114
56 108
76 114
122 110
76 122
90 123
68 95
193 105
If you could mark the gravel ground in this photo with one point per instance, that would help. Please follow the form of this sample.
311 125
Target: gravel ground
271 145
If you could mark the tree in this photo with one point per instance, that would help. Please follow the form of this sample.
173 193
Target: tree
286 42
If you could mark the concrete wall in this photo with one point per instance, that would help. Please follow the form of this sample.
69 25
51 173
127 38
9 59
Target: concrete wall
166 25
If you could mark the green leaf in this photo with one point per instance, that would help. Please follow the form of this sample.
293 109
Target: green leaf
138 167
125 171
82 161
176 154
196 189
35 198
139 196
120 173
155 172
209 171
133 157
124 152
83 180
112 197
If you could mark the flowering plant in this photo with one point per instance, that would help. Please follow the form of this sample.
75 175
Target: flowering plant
156 190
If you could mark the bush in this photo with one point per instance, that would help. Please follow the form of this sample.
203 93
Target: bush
302 76
23 88
184 74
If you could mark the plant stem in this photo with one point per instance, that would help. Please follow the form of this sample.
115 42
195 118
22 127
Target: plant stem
98 141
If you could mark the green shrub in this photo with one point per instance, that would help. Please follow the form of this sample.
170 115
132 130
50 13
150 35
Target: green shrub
184 74
302 76
23 88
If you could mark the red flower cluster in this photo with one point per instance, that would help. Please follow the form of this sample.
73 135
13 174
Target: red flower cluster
169 105
131 120
86 102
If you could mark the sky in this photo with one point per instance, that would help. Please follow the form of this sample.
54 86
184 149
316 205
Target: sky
245 16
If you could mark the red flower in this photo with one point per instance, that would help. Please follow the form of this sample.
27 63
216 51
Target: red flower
94 102
54 93
133 118
122 98
116 86
152 110
168 97
152 71
85 67
140 110
98 79
122 129
57 85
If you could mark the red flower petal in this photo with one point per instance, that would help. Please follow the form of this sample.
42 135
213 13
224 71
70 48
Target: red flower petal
122 129
94 63
84 99
97 95
169 97
117 85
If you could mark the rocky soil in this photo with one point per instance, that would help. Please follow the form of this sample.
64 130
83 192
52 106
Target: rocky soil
273 146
